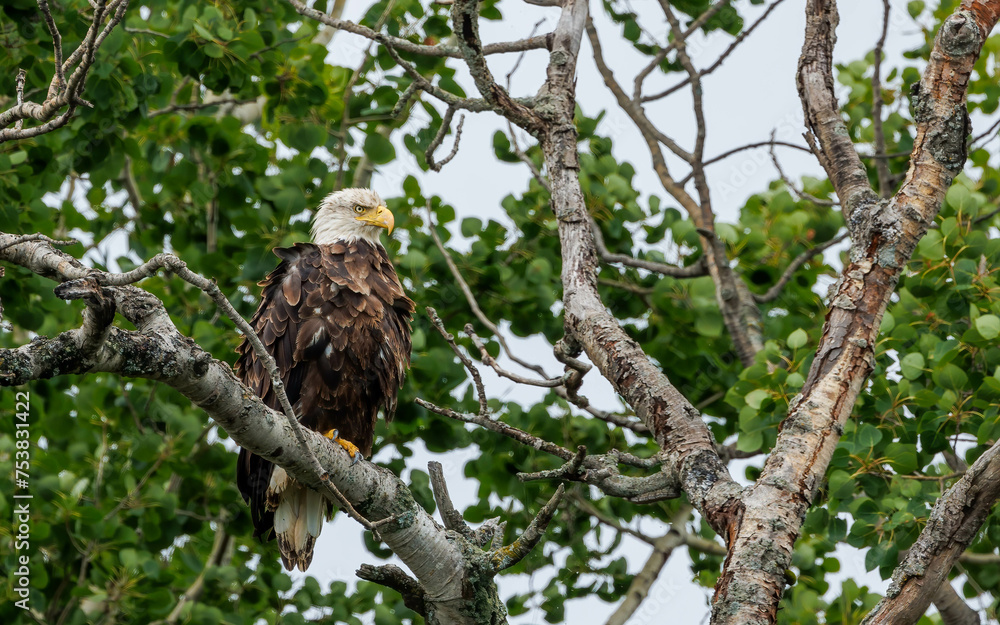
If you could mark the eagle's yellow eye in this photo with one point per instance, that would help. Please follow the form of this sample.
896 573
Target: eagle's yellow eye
359 208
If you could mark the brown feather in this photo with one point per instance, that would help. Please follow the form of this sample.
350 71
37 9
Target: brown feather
337 321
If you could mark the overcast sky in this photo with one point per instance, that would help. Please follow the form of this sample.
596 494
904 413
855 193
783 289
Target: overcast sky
752 94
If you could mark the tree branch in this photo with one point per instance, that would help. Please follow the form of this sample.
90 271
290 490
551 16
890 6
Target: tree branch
822 112
157 351
884 237
63 94
772 293
953 524
404 45
881 164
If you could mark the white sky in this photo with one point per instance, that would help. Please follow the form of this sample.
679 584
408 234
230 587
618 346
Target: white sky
752 94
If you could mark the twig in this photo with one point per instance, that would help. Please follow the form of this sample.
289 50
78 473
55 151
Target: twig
664 51
788 183
773 292
470 298
714 66
451 517
699 268
881 164
537 173
477 379
37 237
19 89
60 76
198 106
392 576
439 50
439 137
506 557
490 361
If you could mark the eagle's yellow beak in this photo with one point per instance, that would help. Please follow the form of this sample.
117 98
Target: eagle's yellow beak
380 216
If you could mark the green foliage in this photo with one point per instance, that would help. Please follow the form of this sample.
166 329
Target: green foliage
133 486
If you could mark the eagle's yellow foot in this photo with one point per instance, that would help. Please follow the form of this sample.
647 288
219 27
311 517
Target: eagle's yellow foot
348 446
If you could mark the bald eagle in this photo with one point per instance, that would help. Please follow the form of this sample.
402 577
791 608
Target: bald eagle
335 318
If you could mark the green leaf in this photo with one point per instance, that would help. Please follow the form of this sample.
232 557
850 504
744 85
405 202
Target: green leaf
797 339
379 149
912 365
755 398
988 326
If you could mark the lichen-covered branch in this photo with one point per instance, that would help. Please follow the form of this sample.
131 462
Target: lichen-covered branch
954 523
822 112
446 566
64 94
884 237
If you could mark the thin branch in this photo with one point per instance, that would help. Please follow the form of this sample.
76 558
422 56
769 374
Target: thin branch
63 94
451 517
506 557
404 45
392 576
490 361
791 186
526 159
60 77
439 137
953 610
881 164
772 293
484 408
173 108
471 299
699 268
714 66
662 53
37 237
750 146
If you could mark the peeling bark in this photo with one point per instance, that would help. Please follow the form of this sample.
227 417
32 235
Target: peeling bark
885 235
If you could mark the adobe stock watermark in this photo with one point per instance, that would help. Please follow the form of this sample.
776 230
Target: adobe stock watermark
22 498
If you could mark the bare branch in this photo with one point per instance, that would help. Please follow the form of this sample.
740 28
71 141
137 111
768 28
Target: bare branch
772 293
26 238
451 517
392 576
718 62
63 94
471 299
465 24
404 45
439 137
484 408
791 186
173 108
822 112
881 164
526 159
490 361
506 557
699 268
954 611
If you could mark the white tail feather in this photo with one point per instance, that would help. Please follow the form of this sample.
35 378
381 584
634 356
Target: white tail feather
298 519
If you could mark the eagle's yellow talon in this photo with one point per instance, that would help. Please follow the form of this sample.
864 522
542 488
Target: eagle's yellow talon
332 434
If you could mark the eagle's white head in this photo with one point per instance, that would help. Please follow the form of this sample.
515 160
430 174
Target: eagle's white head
351 214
